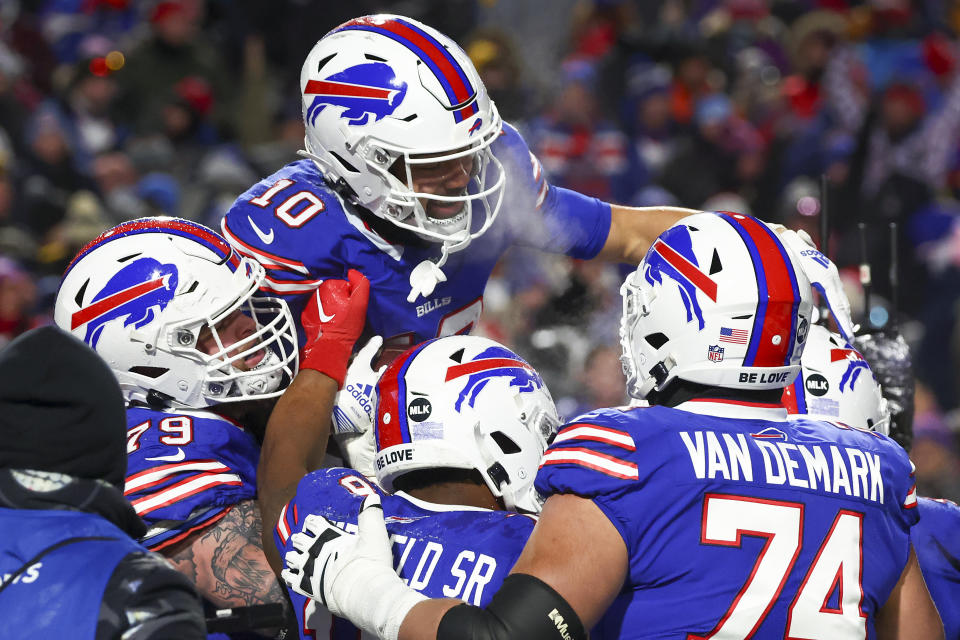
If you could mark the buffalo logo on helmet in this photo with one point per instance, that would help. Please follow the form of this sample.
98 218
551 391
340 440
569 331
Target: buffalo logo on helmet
132 292
715 353
492 363
855 365
475 126
363 91
672 256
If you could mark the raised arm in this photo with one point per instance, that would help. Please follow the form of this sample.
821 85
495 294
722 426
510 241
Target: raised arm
633 230
299 427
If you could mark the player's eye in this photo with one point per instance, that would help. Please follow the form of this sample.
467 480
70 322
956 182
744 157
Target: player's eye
205 339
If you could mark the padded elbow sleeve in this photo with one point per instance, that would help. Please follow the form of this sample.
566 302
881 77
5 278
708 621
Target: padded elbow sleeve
524 607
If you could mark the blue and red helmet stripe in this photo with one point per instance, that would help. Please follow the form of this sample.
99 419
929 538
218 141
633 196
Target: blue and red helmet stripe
109 303
795 396
486 364
454 80
392 400
687 269
778 294
173 226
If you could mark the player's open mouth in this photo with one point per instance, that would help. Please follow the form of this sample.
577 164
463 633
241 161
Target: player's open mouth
254 359
446 212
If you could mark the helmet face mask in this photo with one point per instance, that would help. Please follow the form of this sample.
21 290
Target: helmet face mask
229 377
717 301
837 384
408 211
157 298
465 402
384 95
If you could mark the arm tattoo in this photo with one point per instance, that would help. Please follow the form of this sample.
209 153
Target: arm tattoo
147 600
226 561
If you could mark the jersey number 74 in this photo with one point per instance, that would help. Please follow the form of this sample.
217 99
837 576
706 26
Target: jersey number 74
837 565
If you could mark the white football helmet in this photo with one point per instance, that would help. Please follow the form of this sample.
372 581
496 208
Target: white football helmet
836 383
717 300
141 294
381 89
465 402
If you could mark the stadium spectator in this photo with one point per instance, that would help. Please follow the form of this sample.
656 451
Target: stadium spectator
17 301
703 163
171 54
578 147
496 59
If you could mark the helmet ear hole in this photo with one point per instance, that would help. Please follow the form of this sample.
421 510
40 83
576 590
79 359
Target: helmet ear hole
346 165
655 340
150 372
505 442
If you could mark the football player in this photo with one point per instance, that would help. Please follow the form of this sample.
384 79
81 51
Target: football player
410 176
794 528
462 424
169 305
938 552
836 384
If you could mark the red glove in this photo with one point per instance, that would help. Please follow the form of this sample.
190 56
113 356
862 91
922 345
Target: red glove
332 322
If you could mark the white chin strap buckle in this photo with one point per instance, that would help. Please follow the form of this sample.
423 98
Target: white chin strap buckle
424 279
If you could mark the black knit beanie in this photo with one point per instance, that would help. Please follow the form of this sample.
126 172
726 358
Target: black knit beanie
61 408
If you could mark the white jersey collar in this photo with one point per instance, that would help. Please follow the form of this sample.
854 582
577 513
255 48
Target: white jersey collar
734 409
433 506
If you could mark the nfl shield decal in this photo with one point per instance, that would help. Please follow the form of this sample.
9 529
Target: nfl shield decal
715 353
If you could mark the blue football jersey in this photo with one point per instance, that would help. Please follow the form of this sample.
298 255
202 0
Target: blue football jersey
185 470
441 551
936 539
766 525
302 233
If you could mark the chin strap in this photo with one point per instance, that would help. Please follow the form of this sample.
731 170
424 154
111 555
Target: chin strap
427 275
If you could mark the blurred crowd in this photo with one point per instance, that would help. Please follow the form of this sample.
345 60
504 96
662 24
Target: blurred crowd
116 109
